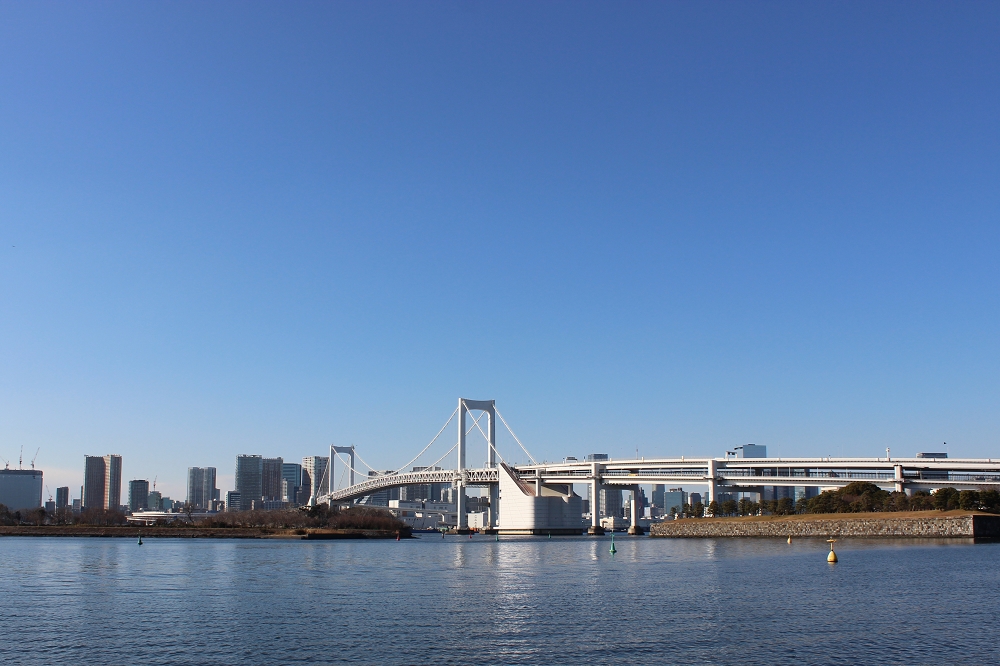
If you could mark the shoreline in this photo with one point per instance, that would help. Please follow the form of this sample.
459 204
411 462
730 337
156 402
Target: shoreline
152 532
904 524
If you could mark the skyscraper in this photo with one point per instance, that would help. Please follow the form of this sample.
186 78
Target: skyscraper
291 477
249 470
271 470
314 474
62 497
102 482
611 502
201 490
138 495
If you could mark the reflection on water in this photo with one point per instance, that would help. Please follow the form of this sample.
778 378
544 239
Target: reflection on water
523 600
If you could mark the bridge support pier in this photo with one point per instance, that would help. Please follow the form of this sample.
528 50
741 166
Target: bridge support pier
634 526
595 501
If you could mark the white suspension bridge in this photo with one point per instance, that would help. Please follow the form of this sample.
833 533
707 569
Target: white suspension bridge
539 497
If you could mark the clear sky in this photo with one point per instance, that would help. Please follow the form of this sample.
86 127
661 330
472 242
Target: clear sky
673 227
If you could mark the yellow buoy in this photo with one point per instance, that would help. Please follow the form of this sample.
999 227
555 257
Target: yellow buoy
832 557
789 538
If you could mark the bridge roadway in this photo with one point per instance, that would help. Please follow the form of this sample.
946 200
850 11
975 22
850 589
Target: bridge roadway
719 474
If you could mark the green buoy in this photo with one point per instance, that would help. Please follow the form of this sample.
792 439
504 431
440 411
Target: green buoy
613 549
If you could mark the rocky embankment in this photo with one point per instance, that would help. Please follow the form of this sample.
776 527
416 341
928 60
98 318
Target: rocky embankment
935 524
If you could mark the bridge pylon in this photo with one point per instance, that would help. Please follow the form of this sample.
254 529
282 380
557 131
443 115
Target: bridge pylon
489 408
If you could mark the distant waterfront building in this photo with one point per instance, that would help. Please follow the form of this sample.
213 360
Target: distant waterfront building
597 457
674 500
657 496
201 490
271 475
154 501
249 470
138 495
314 476
21 488
62 497
611 502
291 483
232 501
749 451
102 482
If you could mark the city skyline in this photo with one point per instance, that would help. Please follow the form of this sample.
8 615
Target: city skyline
673 227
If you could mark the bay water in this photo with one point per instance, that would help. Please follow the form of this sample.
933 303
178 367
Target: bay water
522 600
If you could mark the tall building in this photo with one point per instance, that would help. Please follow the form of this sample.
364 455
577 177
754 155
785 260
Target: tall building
611 502
21 488
270 482
154 502
291 482
674 499
102 482
62 497
232 501
314 476
138 495
249 470
201 491
658 495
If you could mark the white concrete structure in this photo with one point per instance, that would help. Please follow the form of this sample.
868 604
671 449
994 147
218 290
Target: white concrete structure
537 508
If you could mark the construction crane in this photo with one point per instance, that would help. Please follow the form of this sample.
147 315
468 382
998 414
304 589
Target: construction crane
36 456
49 492
6 462
154 482
20 458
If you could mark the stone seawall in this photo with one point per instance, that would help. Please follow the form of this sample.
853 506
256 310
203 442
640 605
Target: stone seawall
838 525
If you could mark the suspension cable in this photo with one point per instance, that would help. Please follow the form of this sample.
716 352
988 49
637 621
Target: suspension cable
514 436
488 440
363 461
431 442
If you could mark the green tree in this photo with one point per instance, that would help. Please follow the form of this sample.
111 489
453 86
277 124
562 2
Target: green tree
713 508
968 500
698 510
990 500
729 508
946 499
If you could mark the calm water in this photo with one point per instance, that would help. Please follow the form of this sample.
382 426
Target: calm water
523 600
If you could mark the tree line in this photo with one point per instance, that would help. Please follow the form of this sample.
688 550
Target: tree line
322 516
857 497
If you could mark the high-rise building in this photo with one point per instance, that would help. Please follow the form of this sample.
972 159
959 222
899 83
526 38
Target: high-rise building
674 500
291 482
270 482
138 495
232 501
102 482
657 496
249 470
21 488
154 501
62 497
201 490
611 502
314 475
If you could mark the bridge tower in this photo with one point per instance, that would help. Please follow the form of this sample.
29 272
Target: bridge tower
464 407
334 450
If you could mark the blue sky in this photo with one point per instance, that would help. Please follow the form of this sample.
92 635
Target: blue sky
679 227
